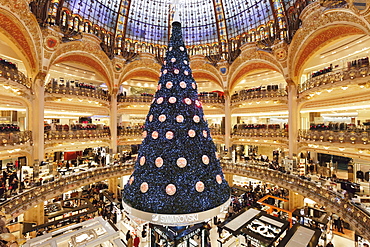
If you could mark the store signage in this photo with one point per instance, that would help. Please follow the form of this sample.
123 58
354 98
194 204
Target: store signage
157 230
164 219
191 234
174 219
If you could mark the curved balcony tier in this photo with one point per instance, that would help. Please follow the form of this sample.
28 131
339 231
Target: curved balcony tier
130 136
15 138
62 139
334 202
15 76
260 136
336 78
357 137
36 195
241 97
94 94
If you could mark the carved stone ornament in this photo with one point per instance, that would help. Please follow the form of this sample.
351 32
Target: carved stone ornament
51 43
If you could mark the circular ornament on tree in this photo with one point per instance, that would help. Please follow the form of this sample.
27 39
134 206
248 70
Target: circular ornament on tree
191 133
187 101
145 133
170 49
219 179
170 189
198 103
205 134
160 74
172 100
159 100
155 135
196 119
159 87
162 118
165 62
169 135
185 62
182 48
183 84
159 162
164 71
199 186
150 118
179 119
186 72
181 162
205 159
169 84
144 187
193 85
173 59
142 160
176 71
131 180
217 155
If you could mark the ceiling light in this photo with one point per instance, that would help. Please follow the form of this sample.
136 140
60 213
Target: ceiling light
329 90
341 149
344 87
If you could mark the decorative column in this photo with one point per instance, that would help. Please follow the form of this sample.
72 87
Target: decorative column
295 200
293 118
112 186
36 120
228 123
35 215
229 179
113 122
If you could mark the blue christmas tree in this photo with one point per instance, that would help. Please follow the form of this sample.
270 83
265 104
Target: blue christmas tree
177 170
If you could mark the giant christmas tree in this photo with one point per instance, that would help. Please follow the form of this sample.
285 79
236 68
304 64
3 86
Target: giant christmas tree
177 171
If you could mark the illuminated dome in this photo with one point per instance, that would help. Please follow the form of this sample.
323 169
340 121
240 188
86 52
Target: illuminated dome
205 22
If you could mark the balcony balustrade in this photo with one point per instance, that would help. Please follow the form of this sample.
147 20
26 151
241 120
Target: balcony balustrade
76 134
135 99
245 95
13 74
262 133
356 136
137 132
335 76
207 99
78 91
333 201
15 138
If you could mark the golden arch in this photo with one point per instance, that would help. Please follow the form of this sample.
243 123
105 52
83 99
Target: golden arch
318 30
87 53
24 40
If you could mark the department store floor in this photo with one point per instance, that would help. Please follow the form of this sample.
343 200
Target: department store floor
338 240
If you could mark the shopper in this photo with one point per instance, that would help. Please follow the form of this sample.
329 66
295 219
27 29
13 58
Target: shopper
136 241
329 245
340 225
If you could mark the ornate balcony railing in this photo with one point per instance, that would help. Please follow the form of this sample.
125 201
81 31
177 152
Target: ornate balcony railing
36 195
334 202
77 91
15 138
130 132
335 76
138 132
358 218
76 134
263 133
14 75
342 136
244 95
205 99
135 99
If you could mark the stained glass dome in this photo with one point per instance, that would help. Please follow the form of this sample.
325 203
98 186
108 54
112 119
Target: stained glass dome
205 22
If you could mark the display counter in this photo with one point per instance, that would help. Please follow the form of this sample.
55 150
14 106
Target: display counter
95 232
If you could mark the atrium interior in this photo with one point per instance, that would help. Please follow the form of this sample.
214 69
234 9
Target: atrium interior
283 85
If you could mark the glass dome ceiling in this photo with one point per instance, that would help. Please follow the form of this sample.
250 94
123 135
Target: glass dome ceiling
203 21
